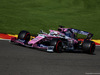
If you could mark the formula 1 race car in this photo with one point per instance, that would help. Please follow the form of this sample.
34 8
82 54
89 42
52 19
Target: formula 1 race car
64 39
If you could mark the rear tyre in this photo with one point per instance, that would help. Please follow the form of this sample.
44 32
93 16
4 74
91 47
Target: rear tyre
88 47
24 35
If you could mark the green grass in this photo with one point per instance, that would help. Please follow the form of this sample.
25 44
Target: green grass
34 15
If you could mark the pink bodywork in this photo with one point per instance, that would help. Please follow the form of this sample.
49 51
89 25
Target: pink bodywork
42 36
35 40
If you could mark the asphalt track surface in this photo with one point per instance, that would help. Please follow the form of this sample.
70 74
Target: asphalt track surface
19 60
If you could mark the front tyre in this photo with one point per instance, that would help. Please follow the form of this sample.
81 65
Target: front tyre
24 35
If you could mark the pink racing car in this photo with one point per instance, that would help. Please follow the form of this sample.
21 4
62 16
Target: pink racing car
64 39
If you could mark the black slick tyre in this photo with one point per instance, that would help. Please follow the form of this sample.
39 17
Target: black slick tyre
57 43
88 47
58 47
24 35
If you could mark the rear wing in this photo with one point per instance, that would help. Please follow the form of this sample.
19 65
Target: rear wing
89 35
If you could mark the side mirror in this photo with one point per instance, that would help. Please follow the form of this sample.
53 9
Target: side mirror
41 31
61 26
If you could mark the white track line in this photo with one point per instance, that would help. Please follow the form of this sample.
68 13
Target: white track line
5 39
97 45
92 73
